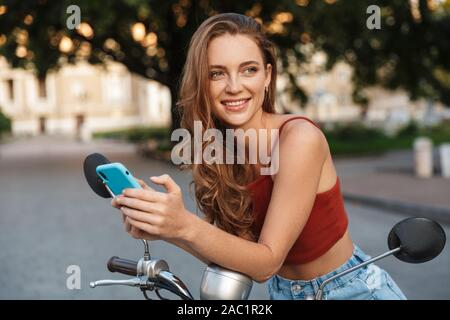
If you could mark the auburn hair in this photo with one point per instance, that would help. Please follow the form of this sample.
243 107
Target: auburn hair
220 190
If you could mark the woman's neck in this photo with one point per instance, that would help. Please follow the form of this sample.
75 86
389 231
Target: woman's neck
265 122
260 120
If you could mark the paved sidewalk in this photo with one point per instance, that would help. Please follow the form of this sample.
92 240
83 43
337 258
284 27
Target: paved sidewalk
388 181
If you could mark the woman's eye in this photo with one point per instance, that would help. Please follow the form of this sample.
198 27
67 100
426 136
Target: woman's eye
215 74
250 70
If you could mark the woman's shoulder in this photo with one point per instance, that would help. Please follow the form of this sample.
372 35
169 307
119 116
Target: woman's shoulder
302 138
301 146
299 128
298 136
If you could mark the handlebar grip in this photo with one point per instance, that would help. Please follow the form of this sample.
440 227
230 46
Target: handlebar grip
125 266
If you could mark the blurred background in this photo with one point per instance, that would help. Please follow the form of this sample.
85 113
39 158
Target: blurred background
78 77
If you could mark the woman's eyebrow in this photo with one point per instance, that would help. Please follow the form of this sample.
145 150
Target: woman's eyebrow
240 66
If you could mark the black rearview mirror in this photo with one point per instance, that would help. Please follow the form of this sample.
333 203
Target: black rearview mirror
420 239
91 162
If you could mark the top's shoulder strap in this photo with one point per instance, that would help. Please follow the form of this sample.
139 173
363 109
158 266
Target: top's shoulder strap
297 117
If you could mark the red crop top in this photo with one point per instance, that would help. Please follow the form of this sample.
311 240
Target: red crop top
326 224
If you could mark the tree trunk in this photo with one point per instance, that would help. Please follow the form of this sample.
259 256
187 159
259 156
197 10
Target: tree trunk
174 111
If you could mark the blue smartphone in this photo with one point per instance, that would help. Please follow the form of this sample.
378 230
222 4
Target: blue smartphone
116 178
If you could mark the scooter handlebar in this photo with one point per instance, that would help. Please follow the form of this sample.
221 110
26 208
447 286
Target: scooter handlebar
125 266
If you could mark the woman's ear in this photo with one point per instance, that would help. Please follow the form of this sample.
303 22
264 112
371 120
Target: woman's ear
268 72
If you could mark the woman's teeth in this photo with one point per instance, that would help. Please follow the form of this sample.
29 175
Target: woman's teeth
235 103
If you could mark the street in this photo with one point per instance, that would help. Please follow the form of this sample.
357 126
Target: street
50 220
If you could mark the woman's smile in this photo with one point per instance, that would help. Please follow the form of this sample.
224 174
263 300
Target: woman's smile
235 105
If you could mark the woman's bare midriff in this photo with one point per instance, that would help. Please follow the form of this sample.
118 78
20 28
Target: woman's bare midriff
331 260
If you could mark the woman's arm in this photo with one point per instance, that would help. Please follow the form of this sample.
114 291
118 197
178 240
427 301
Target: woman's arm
302 153
183 245
303 150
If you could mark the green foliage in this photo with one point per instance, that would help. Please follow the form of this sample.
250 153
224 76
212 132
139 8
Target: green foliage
5 124
356 132
438 134
355 139
159 138
410 51
412 129
136 134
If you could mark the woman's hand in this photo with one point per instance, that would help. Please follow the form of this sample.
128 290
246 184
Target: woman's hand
156 214
133 231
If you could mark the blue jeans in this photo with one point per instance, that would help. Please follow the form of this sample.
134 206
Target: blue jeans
367 283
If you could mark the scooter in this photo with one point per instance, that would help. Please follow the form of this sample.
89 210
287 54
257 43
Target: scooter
412 240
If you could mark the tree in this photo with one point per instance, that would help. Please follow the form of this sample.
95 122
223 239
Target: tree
410 50
151 38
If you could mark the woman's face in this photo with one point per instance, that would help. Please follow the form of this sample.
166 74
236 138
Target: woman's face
237 78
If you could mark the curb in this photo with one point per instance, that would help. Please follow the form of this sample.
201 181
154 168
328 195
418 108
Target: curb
438 213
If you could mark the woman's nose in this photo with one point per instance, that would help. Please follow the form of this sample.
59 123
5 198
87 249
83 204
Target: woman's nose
233 85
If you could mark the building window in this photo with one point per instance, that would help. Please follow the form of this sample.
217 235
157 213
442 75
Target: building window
115 89
42 90
10 88
342 99
42 125
79 91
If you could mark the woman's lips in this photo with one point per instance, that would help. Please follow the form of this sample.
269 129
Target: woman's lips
237 107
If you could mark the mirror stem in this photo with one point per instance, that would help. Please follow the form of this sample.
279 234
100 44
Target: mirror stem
109 190
381 256
146 252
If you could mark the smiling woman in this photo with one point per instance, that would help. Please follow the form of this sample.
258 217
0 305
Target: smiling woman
237 88
229 81
291 227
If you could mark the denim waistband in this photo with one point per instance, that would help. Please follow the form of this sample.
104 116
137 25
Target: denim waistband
310 287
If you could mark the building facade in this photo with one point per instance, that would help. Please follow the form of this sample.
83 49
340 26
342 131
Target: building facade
78 100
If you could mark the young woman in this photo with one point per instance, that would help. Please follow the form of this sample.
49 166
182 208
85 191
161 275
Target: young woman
289 228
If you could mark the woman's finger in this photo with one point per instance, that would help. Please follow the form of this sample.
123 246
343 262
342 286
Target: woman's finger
139 234
148 228
144 185
141 216
114 203
135 232
126 223
141 205
167 182
145 194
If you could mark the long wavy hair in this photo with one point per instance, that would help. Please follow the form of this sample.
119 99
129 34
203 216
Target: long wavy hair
220 190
